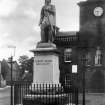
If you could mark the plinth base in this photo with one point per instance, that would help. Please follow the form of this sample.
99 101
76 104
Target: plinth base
46 64
59 99
46 89
46 45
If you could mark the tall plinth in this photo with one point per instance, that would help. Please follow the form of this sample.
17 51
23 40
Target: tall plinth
46 64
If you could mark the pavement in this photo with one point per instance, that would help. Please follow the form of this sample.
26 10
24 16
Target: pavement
93 99
5 96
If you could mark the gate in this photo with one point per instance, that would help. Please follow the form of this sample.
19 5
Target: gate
44 94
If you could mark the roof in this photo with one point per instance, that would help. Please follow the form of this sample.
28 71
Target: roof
95 0
66 37
67 33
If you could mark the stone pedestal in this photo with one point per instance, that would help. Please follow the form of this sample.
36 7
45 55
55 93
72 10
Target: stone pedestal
46 69
46 65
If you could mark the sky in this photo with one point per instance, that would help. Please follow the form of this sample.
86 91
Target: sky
19 24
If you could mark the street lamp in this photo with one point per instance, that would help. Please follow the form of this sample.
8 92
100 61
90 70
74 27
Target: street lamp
11 62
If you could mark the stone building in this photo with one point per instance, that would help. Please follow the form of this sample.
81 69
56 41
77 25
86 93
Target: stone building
85 48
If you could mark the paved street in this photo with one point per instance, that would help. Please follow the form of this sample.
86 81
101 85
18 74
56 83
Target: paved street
93 99
5 96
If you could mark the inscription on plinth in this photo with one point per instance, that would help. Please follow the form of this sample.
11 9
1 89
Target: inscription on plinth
46 69
43 62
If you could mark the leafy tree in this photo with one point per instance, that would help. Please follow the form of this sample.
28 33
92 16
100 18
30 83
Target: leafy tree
26 64
4 68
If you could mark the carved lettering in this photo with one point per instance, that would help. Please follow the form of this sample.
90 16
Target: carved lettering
43 62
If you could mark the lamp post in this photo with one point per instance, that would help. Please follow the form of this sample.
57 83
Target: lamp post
11 63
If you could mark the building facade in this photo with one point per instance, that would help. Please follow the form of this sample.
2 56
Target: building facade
85 48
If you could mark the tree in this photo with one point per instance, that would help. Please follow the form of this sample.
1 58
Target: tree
26 64
4 68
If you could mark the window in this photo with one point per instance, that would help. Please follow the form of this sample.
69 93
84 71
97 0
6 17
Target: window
67 55
88 59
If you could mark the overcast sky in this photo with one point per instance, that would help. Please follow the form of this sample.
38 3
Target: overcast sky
19 23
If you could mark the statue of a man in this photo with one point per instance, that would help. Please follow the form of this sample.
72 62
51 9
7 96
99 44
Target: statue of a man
98 56
47 22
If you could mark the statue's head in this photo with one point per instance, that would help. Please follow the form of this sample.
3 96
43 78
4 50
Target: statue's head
47 1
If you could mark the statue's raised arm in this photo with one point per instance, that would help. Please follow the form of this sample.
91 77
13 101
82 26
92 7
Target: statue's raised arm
48 22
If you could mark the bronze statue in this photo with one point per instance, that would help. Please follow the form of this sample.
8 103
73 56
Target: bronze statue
48 22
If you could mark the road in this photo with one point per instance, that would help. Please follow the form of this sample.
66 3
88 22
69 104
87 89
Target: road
5 96
93 99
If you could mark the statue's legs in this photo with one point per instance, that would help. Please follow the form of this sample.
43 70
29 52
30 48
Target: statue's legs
51 33
42 36
47 34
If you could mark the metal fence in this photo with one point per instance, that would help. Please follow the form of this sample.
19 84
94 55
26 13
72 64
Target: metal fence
44 94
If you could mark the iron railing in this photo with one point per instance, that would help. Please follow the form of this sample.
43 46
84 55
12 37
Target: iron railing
44 94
